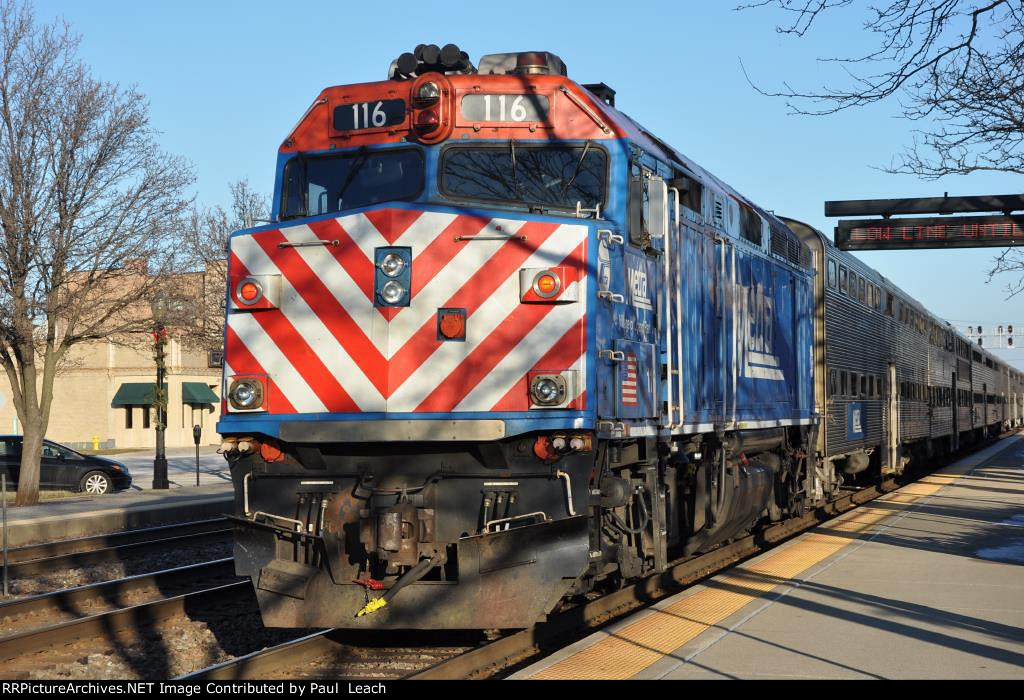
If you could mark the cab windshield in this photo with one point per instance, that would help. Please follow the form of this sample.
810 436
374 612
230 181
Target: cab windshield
325 184
556 177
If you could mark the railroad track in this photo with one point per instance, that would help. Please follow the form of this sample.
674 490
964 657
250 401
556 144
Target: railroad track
32 560
126 636
342 655
46 609
335 653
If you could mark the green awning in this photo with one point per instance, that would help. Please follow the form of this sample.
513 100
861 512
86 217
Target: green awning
197 392
136 394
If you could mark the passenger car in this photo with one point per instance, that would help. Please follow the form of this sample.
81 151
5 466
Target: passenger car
63 468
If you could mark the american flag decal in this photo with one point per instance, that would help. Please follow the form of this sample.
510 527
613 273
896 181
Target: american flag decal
328 349
629 379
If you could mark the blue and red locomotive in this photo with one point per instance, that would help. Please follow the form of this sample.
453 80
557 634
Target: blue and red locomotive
502 346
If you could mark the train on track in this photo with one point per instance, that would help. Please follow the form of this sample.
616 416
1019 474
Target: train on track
502 346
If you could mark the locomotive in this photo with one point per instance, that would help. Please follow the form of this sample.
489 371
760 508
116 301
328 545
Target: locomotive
502 346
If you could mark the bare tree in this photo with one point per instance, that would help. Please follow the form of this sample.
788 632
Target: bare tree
209 227
207 235
89 206
956 67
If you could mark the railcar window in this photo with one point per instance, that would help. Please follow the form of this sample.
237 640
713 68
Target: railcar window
842 279
863 385
871 385
833 385
853 285
862 291
325 184
888 304
546 176
842 384
832 274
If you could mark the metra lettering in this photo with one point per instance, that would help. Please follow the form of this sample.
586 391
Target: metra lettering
759 313
638 287
757 319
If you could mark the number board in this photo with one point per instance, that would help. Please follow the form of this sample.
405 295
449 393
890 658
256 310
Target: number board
369 115
505 108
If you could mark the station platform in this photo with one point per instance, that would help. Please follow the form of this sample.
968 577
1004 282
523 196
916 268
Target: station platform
125 510
925 582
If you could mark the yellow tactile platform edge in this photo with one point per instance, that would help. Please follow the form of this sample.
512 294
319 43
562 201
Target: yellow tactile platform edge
630 650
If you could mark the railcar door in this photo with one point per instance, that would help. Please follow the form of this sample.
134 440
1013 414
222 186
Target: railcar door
954 441
893 429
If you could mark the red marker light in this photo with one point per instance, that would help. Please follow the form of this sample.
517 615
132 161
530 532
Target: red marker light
452 325
427 121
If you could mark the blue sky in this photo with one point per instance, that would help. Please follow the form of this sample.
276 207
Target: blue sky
226 80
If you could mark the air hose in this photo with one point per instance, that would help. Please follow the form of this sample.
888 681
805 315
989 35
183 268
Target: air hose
411 576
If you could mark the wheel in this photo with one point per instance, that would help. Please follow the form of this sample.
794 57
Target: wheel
96 482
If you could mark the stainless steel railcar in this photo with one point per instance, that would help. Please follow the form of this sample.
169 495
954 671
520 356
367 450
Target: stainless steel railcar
893 381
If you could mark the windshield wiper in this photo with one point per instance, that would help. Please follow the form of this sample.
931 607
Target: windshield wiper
360 161
579 164
515 175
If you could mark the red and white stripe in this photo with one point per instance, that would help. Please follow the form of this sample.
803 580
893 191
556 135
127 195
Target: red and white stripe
629 379
328 349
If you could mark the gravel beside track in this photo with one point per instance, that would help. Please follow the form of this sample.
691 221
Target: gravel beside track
150 641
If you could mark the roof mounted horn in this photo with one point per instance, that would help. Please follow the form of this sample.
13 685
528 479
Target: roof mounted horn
428 58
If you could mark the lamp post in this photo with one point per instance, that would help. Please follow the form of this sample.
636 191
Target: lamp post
167 308
160 461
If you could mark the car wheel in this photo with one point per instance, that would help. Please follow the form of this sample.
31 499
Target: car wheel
97 483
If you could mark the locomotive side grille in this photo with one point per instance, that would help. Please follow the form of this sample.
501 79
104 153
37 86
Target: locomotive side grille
785 244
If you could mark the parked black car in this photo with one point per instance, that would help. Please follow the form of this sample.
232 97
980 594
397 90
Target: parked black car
63 468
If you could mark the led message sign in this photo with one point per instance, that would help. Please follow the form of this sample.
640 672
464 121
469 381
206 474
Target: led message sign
930 232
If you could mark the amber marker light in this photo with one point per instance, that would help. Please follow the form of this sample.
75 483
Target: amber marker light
547 284
249 291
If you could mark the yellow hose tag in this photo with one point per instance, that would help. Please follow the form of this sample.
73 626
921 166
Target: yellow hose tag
373 606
